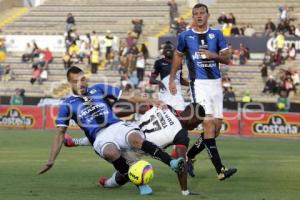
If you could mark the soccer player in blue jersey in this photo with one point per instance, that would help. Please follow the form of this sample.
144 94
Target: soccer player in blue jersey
204 48
89 108
162 68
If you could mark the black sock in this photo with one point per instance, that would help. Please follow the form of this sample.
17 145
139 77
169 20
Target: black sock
156 152
213 153
122 167
196 148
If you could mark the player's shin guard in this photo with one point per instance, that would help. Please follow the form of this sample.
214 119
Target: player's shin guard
122 167
156 152
196 148
213 153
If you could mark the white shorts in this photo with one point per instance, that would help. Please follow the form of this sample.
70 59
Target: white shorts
115 134
175 101
209 94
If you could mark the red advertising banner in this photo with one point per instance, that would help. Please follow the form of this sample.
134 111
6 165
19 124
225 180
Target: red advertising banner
271 124
21 117
230 125
51 114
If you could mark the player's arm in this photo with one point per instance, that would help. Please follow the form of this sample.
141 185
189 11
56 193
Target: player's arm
154 75
140 100
222 57
176 63
56 147
184 81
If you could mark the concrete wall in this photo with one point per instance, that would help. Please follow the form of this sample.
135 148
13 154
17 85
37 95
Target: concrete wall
6 4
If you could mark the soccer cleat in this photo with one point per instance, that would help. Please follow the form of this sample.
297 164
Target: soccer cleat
190 167
177 164
145 189
226 173
102 180
68 141
189 193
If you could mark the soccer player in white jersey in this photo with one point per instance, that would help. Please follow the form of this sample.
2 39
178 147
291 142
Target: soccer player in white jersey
89 108
163 127
204 48
162 68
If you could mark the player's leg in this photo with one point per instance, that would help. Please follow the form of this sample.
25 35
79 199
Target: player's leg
135 140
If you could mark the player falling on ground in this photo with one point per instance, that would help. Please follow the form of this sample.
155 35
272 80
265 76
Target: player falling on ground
89 108
163 127
204 48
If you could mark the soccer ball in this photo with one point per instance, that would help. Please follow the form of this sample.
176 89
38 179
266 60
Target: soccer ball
141 172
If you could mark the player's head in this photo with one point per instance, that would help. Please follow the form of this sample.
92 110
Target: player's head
77 80
192 115
168 50
200 14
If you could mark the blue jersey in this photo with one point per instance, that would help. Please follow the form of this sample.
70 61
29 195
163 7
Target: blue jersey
91 112
190 41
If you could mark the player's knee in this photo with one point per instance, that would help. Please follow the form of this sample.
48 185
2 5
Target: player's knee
135 140
111 152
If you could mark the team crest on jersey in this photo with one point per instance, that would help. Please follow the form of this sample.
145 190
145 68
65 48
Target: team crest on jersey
192 37
93 91
211 36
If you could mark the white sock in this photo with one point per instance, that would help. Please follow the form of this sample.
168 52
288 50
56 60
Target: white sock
185 192
111 182
81 141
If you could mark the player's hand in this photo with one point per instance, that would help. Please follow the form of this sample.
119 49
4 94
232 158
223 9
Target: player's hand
161 86
48 166
207 54
172 87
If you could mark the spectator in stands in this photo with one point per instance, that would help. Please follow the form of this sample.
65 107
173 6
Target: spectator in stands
282 27
36 73
145 52
123 49
84 50
8 74
264 72
246 97
70 22
48 58
283 103
137 27
283 10
108 43
291 52
35 52
131 58
180 25
235 31
280 43
222 19
66 60
130 40
236 57
74 50
244 54
227 30
295 76
1 71
231 19
27 53
292 30
95 40
173 12
140 66
271 86
297 31
226 81
288 85
16 99
229 95
134 79
95 60
269 28
249 31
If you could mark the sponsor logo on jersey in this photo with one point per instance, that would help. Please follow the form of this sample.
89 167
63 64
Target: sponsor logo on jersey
15 118
276 125
93 91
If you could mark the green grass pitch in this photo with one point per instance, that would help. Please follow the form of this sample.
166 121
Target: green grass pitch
268 169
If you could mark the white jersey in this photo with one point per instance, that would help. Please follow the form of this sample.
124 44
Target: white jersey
175 101
160 126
